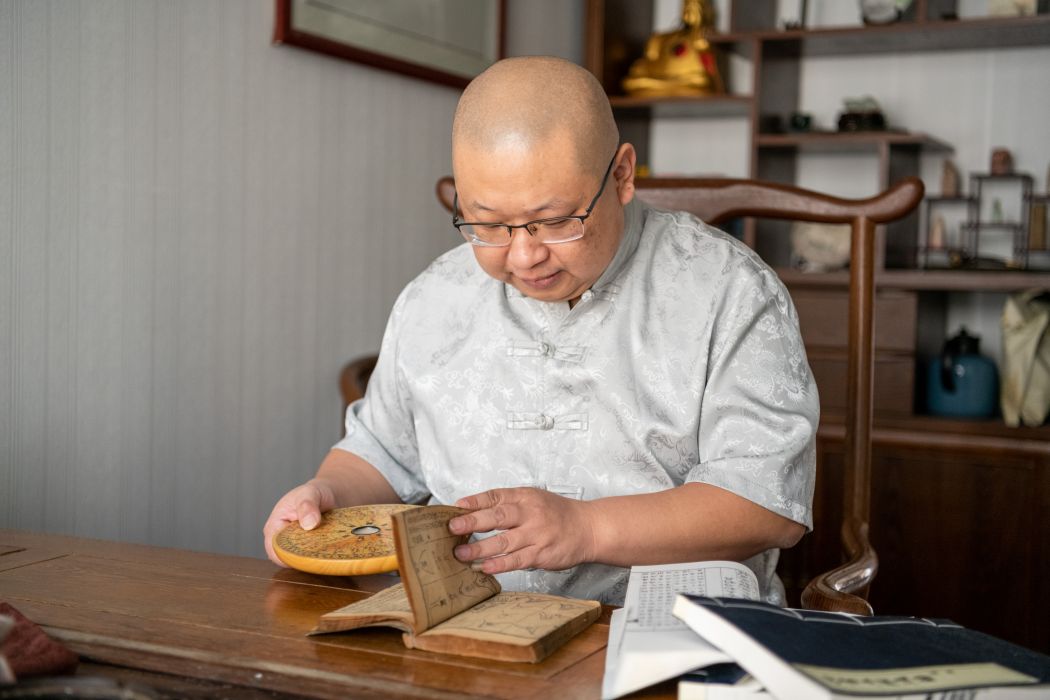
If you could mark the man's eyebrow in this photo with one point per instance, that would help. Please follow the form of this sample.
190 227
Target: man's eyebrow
546 206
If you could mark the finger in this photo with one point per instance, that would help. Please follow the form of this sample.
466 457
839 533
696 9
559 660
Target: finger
487 499
272 526
498 544
500 517
521 559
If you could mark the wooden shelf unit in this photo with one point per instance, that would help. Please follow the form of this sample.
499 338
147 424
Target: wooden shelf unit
916 36
716 106
951 497
926 280
857 141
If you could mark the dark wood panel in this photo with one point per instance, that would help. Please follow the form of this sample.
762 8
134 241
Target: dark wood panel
822 318
961 533
963 523
617 31
894 389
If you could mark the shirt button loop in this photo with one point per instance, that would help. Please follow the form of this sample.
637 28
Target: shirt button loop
545 422
546 349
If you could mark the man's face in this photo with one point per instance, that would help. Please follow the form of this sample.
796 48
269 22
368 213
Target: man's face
514 184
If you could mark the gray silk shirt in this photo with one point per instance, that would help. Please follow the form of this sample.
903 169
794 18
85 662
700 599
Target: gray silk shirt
682 363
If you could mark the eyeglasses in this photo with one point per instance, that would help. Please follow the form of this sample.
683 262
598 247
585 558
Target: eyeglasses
556 229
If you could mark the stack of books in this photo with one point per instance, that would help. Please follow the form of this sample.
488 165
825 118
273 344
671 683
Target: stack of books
703 624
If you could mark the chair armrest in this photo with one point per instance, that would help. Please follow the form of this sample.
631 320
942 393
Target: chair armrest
835 590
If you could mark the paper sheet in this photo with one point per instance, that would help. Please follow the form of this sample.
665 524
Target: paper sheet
647 644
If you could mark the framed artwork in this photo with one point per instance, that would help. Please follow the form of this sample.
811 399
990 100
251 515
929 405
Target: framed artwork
445 41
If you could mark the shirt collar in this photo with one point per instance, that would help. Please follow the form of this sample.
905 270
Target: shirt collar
633 221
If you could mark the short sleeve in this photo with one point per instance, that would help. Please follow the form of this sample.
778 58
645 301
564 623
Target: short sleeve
380 427
760 407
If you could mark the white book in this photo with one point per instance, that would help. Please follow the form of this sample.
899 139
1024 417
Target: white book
647 644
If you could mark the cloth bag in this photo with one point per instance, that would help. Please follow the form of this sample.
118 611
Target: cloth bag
1025 394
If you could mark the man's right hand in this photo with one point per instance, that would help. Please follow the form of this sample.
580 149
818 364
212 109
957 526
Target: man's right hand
304 504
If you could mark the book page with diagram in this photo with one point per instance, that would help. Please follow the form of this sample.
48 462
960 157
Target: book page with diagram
438 585
514 617
511 626
389 608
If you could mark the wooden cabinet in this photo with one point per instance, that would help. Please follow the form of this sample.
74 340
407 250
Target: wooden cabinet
959 511
821 313
958 518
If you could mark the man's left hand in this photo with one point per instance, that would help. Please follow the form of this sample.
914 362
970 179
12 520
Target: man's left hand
540 530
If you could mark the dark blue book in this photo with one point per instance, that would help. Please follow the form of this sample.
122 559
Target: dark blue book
720 682
807 654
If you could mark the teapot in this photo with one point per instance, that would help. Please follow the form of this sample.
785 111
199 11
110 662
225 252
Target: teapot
962 382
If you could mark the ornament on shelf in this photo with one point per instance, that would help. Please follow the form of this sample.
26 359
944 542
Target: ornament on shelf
937 233
1037 239
679 63
962 382
800 23
1002 162
1011 8
882 11
818 247
950 180
997 211
861 114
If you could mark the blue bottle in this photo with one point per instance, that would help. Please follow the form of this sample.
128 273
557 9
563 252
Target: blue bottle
962 382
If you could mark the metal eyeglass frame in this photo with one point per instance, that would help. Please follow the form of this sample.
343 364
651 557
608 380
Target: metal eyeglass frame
510 228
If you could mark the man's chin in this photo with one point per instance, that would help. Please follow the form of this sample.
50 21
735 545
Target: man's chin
551 294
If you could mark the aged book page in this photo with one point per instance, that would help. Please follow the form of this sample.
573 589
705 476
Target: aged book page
438 585
388 608
512 626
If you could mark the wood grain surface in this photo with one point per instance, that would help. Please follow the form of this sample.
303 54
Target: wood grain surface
240 621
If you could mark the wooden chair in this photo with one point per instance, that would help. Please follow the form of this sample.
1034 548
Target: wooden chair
353 380
717 200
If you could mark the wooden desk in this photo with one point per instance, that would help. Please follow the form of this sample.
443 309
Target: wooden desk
242 621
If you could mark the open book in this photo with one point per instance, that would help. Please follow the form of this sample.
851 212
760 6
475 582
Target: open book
443 605
826 655
647 644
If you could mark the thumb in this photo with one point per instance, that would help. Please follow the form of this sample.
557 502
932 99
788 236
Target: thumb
309 515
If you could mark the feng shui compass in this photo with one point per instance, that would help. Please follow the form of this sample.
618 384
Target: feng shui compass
354 541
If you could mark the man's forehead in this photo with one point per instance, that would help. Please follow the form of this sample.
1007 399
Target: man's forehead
543 178
513 146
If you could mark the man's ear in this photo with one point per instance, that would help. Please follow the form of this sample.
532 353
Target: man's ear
623 173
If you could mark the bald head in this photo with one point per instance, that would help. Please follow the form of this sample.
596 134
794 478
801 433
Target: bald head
520 102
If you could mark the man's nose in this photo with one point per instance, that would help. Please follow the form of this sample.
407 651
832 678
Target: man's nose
525 251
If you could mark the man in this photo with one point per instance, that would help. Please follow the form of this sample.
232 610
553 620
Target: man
601 384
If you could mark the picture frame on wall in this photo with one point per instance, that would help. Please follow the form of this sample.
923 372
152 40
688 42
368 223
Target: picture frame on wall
444 41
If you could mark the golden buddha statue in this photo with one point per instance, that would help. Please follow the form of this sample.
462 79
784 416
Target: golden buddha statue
678 63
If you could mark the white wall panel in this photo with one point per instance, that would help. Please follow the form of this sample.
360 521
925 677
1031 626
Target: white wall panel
197 230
